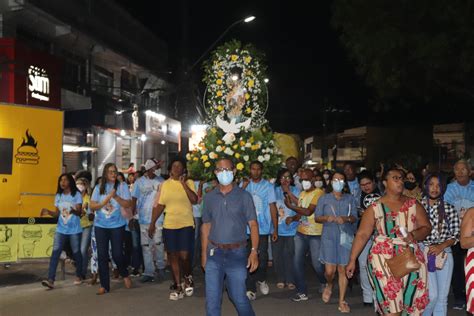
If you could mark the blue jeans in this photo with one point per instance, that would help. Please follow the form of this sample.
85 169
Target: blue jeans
303 244
115 236
85 243
260 274
153 250
367 291
438 284
229 265
59 241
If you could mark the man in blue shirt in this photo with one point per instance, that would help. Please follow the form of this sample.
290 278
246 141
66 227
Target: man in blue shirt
460 194
144 194
263 195
226 213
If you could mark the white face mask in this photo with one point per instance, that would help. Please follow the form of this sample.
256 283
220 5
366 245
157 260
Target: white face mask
318 184
158 172
325 176
306 184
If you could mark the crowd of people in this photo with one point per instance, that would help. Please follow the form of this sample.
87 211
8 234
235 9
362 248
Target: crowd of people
345 223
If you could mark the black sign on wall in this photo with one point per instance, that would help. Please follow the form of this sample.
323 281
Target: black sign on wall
6 155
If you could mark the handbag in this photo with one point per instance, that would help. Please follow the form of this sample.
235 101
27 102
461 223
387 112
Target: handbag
405 262
345 239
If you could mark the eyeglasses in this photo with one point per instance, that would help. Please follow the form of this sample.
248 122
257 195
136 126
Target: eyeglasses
224 169
365 184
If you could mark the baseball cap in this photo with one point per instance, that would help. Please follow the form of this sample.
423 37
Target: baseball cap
150 163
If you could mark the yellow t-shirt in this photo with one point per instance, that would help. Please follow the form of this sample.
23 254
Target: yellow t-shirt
178 208
307 224
85 222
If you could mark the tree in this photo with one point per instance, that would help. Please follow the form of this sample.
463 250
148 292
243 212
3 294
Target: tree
410 52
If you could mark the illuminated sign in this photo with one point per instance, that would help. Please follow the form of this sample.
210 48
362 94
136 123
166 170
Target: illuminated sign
38 83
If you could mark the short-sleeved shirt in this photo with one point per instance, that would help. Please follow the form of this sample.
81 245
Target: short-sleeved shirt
460 196
263 193
85 222
284 212
110 216
145 190
68 223
328 205
354 187
228 214
178 208
307 225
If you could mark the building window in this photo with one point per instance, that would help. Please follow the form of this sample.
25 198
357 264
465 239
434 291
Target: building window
309 148
103 81
128 82
74 76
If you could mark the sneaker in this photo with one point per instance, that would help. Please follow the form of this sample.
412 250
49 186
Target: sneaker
188 285
48 283
176 293
263 287
459 306
146 279
251 295
299 297
135 273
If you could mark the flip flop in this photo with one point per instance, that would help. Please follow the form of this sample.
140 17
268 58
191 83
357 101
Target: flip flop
280 285
326 297
344 308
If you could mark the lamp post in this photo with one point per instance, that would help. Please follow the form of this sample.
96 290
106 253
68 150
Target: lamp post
245 20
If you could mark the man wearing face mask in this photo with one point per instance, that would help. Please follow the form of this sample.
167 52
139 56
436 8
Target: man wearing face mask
263 195
143 198
308 236
226 212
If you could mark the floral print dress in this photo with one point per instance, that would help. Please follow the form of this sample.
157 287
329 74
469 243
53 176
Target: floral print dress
409 294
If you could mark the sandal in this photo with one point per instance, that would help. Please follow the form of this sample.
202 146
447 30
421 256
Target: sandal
344 307
326 297
102 291
128 282
291 286
280 285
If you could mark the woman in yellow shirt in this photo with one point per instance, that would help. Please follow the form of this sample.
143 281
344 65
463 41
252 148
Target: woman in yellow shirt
176 198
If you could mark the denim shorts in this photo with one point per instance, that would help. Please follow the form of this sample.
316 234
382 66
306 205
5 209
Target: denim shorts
178 239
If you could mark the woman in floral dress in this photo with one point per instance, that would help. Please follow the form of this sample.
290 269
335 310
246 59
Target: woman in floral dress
390 216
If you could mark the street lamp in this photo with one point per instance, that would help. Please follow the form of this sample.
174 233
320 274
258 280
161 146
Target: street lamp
245 20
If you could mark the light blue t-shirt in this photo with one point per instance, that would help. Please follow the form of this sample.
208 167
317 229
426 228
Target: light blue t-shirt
197 207
145 190
263 193
68 223
284 212
461 197
110 216
355 188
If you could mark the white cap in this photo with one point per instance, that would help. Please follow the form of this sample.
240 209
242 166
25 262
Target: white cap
150 163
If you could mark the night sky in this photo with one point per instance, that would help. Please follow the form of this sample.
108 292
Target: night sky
306 61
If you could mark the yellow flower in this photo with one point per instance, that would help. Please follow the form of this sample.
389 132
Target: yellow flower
204 158
219 93
248 110
235 146
242 143
255 147
220 73
240 166
247 59
195 159
251 83
213 130
251 139
234 57
220 108
207 164
219 141
219 81
247 96
237 155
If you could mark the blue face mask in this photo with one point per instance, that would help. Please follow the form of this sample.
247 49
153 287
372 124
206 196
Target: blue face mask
337 186
225 177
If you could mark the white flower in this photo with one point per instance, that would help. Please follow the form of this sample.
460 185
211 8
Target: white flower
203 151
246 158
188 156
219 148
242 148
264 150
267 157
229 138
260 158
212 155
229 151
248 145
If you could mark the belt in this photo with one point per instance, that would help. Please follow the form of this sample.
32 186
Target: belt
229 246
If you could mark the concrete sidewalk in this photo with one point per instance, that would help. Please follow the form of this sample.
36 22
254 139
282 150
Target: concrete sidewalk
22 294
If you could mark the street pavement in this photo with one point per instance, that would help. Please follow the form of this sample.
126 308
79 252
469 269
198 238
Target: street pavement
22 294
